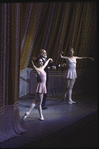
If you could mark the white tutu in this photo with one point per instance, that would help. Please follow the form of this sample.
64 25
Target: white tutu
70 74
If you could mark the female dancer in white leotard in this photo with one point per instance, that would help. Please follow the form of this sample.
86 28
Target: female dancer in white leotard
70 73
40 87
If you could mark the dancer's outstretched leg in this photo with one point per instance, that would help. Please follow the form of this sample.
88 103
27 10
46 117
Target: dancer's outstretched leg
29 111
40 99
31 107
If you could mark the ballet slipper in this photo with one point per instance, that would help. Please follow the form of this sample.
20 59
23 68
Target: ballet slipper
73 101
25 116
70 102
41 118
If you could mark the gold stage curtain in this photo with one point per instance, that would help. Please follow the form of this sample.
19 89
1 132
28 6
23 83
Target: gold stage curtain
30 15
56 26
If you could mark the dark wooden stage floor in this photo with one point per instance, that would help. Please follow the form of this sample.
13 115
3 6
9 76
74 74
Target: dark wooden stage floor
65 125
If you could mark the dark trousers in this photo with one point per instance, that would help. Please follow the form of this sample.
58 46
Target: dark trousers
45 95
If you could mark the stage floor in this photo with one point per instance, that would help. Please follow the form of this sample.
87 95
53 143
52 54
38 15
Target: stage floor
59 115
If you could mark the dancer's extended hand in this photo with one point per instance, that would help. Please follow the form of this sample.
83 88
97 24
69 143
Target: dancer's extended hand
61 53
92 58
51 59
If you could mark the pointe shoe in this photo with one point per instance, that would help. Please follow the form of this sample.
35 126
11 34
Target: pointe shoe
41 118
25 116
73 101
70 102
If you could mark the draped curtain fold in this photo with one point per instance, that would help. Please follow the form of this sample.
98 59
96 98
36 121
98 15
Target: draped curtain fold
56 26
9 70
28 33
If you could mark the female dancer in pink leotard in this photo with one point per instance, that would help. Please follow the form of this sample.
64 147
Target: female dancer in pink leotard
40 87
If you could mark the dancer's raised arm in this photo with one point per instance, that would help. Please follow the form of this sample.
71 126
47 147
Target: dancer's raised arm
64 57
46 63
35 68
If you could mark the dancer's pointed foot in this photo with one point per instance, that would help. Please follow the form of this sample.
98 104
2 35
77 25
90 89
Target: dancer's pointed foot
25 116
71 102
41 118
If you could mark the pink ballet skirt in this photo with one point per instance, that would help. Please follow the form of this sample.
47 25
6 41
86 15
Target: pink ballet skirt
41 86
